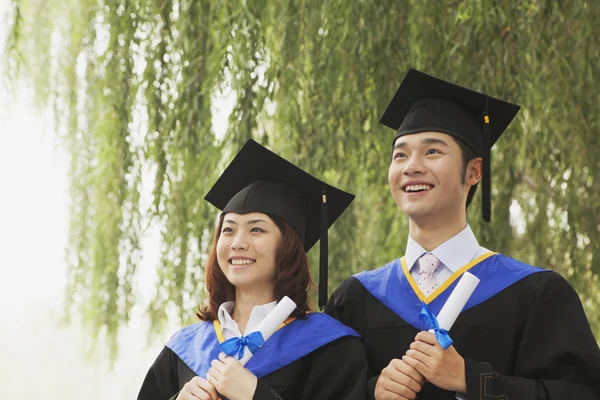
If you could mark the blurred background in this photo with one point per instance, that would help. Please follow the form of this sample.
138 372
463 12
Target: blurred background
117 116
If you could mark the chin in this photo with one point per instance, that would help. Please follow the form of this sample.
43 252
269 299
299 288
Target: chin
415 213
239 277
409 207
239 282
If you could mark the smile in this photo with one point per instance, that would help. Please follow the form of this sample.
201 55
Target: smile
417 188
241 261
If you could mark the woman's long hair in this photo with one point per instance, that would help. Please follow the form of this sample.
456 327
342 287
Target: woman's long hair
292 275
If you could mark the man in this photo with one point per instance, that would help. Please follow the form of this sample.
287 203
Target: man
523 333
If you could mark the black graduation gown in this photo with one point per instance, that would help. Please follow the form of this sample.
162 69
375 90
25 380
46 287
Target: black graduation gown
529 341
334 371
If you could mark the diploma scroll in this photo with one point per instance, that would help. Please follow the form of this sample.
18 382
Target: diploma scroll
271 323
457 300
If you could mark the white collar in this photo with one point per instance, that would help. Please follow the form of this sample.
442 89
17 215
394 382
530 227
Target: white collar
257 314
454 253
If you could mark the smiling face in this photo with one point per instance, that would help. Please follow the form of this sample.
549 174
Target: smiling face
247 248
426 176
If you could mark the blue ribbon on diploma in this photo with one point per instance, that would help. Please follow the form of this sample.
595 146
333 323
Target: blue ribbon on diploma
432 323
236 345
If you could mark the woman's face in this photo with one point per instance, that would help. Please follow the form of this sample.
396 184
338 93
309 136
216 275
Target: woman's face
246 250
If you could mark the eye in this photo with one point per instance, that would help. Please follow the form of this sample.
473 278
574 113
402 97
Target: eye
398 155
226 229
433 151
256 229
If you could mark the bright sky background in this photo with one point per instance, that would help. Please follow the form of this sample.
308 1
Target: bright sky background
39 359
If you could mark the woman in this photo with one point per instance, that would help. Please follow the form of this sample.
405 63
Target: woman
271 217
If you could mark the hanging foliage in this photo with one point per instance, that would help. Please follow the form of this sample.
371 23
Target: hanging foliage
134 85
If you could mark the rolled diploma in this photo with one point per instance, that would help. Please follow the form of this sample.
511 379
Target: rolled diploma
457 300
269 325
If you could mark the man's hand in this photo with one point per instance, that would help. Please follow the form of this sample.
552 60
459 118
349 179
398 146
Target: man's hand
398 381
231 379
443 368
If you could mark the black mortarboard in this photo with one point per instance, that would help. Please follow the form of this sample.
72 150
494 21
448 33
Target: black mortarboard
425 103
258 180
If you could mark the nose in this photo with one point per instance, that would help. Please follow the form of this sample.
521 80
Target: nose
239 242
414 165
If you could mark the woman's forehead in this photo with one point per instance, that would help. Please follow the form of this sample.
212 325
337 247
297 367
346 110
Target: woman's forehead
253 217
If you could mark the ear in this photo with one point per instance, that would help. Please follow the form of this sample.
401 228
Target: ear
474 169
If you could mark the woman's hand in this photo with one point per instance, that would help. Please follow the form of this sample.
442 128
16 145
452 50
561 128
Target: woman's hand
231 379
198 389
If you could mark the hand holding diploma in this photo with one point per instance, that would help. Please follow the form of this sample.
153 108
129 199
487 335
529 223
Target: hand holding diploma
228 374
451 309
432 355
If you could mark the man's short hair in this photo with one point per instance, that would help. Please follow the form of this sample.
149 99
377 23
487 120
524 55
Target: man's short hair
467 155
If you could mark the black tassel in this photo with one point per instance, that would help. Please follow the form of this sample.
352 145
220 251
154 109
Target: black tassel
486 182
324 243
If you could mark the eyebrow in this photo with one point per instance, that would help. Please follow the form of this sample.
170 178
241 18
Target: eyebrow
400 145
254 221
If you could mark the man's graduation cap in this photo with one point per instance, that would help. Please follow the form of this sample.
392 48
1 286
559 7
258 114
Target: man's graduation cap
424 103
258 180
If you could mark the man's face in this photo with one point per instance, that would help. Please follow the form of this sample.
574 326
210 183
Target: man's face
425 176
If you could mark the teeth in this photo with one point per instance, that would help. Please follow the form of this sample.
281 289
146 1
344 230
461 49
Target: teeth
416 188
241 262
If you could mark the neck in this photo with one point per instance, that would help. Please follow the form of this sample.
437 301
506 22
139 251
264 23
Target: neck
430 233
246 300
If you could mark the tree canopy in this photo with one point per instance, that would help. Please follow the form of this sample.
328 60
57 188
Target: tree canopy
134 85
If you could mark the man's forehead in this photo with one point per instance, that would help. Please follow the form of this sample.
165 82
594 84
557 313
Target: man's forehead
423 138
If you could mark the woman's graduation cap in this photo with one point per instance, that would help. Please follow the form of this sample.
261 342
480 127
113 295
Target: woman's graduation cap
424 103
258 180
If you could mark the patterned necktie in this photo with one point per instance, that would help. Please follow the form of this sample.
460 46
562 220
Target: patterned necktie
428 263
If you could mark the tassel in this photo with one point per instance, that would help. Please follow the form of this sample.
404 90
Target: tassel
486 182
324 242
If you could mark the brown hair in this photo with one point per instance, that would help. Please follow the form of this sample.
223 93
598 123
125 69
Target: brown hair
292 275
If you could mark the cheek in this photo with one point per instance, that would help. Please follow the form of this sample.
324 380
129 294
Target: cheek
272 251
222 251
452 179
393 173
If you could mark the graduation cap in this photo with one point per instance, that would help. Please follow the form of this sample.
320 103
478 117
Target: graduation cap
258 180
424 103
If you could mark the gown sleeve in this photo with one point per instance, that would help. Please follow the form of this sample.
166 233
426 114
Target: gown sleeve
161 382
558 357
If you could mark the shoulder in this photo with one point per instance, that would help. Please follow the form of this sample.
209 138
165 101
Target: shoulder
189 332
166 357
353 285
349 285
351 291
551 284
193 328
547 282
512 264
378 272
